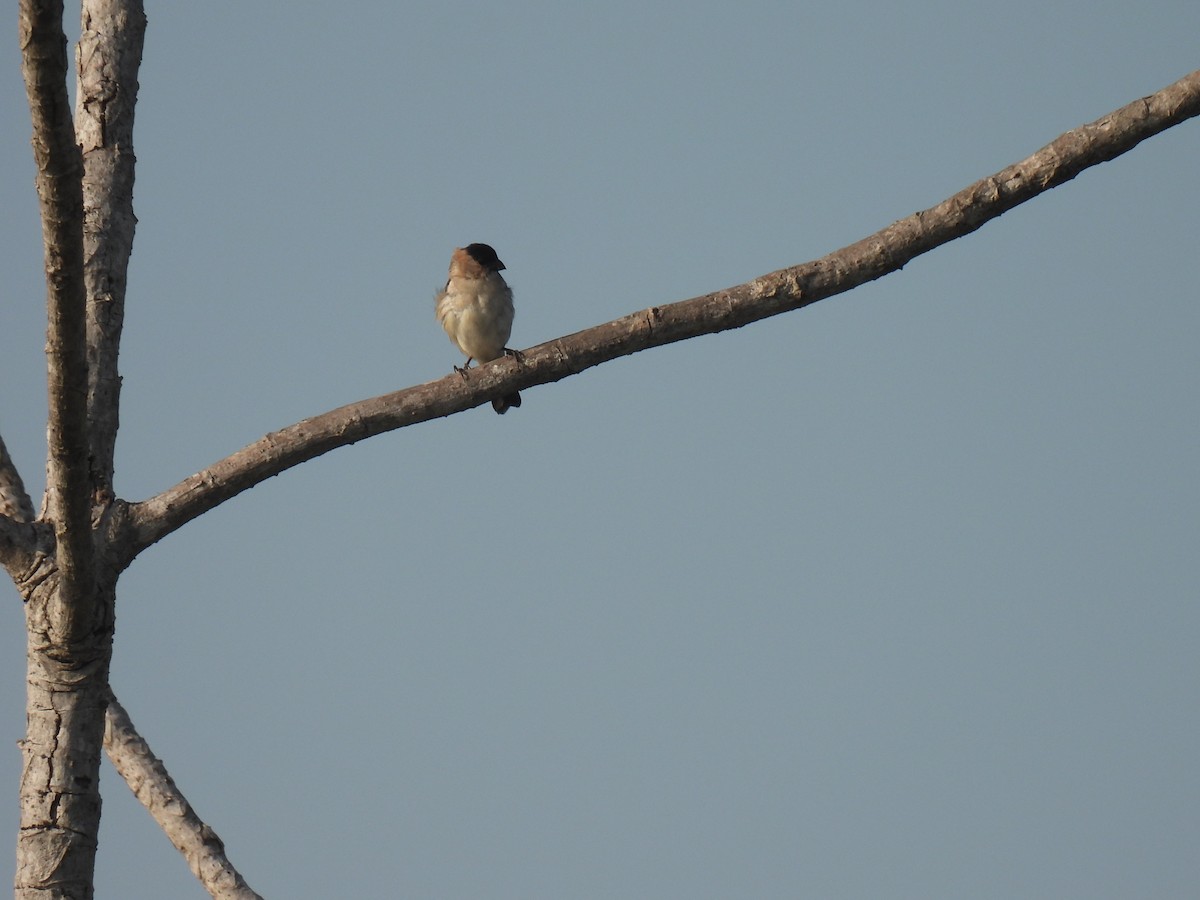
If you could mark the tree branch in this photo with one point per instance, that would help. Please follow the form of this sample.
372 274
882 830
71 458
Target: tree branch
108 56
17 535
14 501
18 548
147 777
59 169
788 289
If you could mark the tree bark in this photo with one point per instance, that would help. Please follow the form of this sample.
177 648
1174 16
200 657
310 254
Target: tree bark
14 500
59 169
69 597
60 795
66 672
108 57
148 779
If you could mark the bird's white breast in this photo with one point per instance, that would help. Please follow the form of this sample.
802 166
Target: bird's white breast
477 313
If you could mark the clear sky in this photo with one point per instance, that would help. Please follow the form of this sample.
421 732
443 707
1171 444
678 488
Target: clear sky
895 596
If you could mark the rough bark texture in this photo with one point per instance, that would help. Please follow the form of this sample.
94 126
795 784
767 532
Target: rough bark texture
14 500
69 600
67 657
774 293
60 796
109 54
18 534
148 779
23 547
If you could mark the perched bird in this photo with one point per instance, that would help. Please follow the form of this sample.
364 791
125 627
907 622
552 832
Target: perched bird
476 309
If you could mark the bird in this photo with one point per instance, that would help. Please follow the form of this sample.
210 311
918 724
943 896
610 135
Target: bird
476 309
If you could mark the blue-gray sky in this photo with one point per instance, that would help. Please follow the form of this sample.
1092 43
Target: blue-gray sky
892 597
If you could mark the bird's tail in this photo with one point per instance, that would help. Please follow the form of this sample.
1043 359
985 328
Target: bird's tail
504 404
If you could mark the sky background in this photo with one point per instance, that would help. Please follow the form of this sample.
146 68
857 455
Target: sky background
896 596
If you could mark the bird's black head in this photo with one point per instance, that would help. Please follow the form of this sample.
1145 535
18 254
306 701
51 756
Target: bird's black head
485 256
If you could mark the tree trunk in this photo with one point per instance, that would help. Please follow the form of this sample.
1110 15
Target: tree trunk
84 183
60 789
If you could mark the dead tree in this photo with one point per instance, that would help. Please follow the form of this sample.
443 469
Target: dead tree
66 560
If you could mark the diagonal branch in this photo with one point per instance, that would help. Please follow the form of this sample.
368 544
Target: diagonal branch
19 551
108 56
14 500
16 514
788 289
44 67
148 779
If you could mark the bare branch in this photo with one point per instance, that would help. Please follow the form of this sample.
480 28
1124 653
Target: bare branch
108 56
17 534
19 550
148 779
774 293
44 66
14 501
